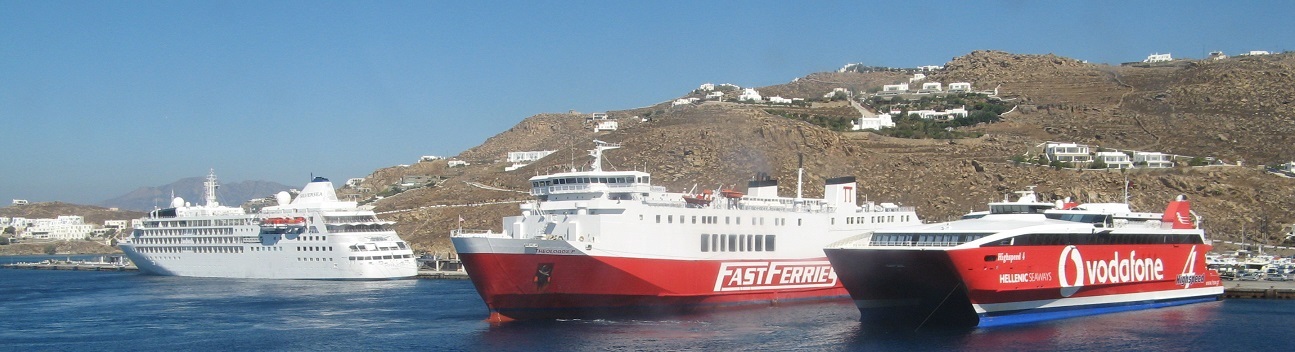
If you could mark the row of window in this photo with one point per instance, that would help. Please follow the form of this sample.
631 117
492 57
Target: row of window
359 228
187 232
585 180
924 240
315 249
875 219
381 257
728 220
314 259
197 223
737 243
191 249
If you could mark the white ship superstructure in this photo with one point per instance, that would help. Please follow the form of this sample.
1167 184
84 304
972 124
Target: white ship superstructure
601 242
315 236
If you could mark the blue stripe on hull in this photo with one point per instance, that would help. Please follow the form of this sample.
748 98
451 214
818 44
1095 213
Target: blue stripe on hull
1044 314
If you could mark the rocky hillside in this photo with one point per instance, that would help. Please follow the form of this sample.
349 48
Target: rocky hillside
50 210
714 144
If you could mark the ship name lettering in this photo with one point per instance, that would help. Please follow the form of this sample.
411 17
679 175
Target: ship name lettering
740 276
1011 257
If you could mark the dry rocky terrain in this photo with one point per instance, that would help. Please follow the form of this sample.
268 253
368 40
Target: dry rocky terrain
1234 109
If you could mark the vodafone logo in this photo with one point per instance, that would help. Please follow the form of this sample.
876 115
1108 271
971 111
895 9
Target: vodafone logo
1070 271
1075 272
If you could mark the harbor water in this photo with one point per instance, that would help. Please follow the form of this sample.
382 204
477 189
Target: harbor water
46 310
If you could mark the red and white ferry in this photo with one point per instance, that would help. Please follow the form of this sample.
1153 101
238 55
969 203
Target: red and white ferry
603 243
1028 261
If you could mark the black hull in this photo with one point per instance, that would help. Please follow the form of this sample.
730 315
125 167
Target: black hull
904 289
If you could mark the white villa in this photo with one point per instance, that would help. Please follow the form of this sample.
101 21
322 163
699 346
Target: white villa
526 157
1255 52
1153 159
1158 58
1067 152
895 88
930 68
457 163
707 87
19 202
714 95
610 125
750 94
939 115
931 87
1115 160
779 100
872 123
962 87
917 77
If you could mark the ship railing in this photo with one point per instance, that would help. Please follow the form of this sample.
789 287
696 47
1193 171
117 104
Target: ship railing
477 233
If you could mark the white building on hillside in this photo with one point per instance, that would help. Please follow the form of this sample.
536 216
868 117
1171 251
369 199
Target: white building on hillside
960 87
917 77
1067 152
707 87
750 94
930 68
1158 58
65 227
526 157
714 95
895 88
609 125
19 202
779 100
426 158
1255 52
931 87
872 123
1153 159
456 163
1115 160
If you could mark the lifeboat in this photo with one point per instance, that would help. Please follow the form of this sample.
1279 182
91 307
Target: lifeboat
729 193
699 200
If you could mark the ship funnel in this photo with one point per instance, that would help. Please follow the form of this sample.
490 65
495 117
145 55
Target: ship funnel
762 187
319 190
841 192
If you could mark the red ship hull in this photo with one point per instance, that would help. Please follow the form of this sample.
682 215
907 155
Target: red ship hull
988 286
545 286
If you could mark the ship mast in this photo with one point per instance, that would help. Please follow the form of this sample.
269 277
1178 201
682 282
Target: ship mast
210 188
597 153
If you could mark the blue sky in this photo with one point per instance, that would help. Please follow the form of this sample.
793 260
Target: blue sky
98 98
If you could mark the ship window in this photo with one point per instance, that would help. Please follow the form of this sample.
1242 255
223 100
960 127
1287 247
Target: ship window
732 243
800 222
750 242
658 218
694 219
738 219
714 243
759 243
833 221
669 219
705 242
726 220
769 243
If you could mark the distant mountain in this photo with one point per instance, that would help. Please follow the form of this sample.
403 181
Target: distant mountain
233 194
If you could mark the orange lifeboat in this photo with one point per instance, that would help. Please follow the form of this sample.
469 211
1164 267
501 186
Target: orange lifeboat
729 193
699 200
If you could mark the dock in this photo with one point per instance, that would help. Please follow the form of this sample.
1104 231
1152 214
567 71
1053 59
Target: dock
1259 289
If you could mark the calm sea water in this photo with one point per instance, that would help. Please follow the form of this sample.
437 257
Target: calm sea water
90 311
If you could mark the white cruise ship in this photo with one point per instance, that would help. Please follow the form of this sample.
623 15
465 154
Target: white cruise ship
314 236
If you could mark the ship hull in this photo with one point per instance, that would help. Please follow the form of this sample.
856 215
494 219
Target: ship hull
990 286
553 280
247 264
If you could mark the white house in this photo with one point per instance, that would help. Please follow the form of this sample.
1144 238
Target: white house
960 87
1067 152
1153 159
895 88
610 125
116 224
872 123
430 158
940 115
750 94
714 95
932 87
1158 58
707 87
354 182
917 77
525 157
19 202
1255 52
1217 55
930 68
457 163
1115 160
678 102
779 100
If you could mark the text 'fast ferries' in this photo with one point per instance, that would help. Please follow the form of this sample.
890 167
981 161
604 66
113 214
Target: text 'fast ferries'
748 276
